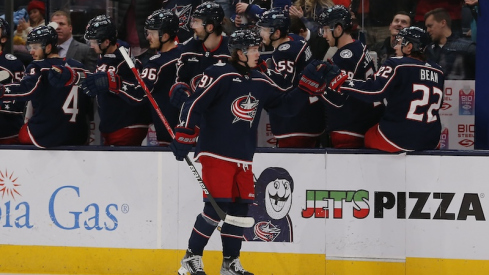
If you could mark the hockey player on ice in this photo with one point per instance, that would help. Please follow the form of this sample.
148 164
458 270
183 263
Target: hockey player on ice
222 114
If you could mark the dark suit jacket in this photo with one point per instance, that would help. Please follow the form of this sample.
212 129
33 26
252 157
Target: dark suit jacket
82 53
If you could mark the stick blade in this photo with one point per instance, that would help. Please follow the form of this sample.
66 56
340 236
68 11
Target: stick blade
245 222
4 75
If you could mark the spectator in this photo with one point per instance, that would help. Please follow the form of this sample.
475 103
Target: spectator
452 7
308 11
454 54
37 11
11 112
319 46
60 112
386 49
413 88
474 9
69 47
251 11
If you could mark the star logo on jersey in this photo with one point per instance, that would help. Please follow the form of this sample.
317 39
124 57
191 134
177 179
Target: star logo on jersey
183 13
351 84
7 107
8 187
266 231
7 90
244 108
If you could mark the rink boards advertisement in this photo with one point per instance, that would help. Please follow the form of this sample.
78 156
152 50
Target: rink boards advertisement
132 212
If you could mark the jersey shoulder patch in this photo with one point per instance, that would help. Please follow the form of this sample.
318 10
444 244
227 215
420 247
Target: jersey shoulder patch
10 57
154 56
284 47
346 53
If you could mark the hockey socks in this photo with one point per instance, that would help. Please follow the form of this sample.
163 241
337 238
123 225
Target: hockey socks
232 236
204 225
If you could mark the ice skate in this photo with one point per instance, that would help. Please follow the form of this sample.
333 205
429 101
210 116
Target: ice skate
192 264
232 266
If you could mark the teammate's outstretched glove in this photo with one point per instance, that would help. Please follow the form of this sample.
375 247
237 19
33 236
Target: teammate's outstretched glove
62 76
262 66
101 82
313 78
334 76
179 93
185 138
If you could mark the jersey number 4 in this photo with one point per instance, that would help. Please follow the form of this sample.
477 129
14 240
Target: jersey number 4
423 102
70 106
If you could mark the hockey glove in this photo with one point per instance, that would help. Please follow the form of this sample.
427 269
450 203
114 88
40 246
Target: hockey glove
262 66
334 76
101 82
179 93
185 138
62 76
312 79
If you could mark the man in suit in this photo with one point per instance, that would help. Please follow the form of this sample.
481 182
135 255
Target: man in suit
69 47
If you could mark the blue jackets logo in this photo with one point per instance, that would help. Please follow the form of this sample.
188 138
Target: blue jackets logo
244 108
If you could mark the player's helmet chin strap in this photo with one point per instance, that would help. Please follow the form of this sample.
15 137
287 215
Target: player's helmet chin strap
271 39
337 38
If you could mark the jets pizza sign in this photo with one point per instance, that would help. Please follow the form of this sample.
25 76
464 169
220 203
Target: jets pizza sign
339 204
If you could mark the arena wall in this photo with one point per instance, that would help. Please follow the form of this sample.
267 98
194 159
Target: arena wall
345 212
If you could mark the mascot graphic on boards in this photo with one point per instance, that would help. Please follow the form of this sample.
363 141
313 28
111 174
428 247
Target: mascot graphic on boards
273 199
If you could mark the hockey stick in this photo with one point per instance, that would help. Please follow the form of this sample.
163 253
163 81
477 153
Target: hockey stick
237 221
4 75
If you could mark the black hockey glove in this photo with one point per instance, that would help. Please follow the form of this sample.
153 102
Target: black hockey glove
101 82
185 138
334 76
179 93
313 77
62 76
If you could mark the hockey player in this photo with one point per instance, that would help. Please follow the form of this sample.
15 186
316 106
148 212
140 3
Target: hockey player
348 118
60 114
227 104
158 74
288 60
413 89
11 112
207 47
121 123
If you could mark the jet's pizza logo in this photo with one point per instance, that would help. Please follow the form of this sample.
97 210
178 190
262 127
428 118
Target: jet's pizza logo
337 204
8 185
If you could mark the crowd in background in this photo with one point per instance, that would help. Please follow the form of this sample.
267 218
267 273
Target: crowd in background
450 23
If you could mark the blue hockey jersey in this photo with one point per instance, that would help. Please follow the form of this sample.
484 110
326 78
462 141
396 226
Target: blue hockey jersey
60 116
413 90
288 61
158 74
227 106
195 58
11 112
115 113
349 114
